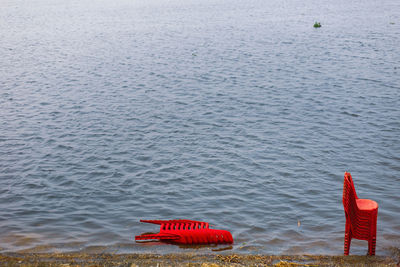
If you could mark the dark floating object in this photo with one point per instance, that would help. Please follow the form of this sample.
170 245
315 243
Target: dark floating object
186 232
317 25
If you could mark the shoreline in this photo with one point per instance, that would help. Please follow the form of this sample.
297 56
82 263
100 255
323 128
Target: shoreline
190 259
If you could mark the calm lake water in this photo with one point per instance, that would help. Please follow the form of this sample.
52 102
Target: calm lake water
239 113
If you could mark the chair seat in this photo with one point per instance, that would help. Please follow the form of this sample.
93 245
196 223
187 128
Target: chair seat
366 204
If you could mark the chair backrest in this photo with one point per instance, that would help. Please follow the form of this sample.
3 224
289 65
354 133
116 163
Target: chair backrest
349 196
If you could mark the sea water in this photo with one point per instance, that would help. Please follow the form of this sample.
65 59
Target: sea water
238 113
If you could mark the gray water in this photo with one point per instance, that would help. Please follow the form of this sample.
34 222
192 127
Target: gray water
238 113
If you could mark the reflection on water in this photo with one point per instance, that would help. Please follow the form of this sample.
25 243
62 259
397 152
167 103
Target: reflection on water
243 115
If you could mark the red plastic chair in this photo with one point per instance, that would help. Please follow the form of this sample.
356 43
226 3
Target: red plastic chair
186 232
361 217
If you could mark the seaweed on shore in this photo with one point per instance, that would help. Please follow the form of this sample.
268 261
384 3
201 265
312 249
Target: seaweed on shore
189 259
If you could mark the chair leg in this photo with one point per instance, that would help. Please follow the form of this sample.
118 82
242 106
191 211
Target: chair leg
347 239
371 246
347 243
372 239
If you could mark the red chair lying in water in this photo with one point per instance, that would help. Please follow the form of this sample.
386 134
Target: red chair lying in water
186 232
361 217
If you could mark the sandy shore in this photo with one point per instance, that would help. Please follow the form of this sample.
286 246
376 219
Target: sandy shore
186 259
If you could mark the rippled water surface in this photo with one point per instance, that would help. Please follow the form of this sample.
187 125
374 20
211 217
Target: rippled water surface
239 113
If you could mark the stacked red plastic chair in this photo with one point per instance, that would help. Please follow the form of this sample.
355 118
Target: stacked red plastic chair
361 217
186 232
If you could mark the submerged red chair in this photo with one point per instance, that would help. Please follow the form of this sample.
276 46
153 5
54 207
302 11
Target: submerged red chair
186 232
361 217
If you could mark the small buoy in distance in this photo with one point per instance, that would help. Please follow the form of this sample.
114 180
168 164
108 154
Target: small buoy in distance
317 24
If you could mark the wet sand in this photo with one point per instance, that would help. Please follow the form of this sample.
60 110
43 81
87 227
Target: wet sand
188 259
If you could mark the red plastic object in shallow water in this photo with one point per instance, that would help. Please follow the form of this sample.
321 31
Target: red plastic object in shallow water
361 217
186 232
